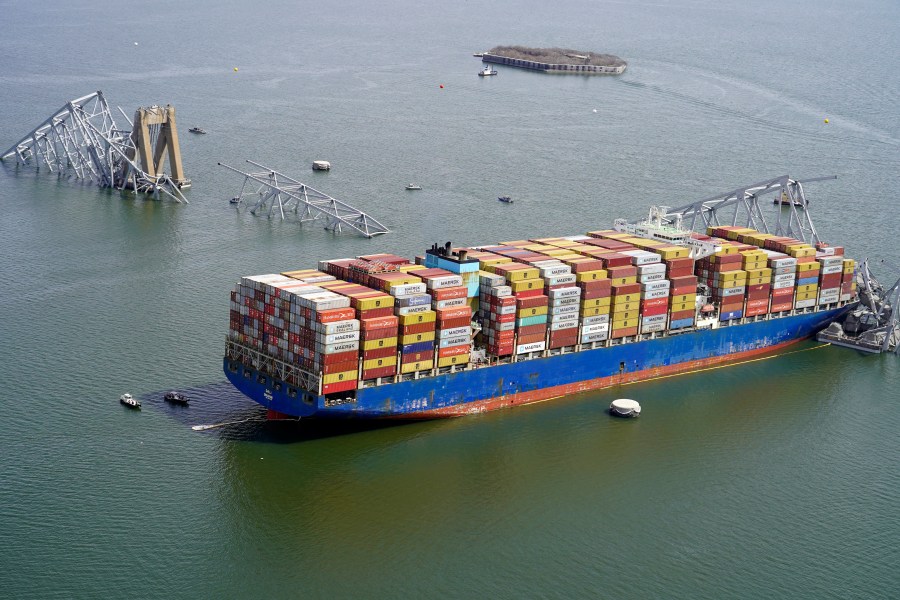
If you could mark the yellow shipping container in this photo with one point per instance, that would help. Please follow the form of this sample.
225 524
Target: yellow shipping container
757 280
422 365
415 338
594 312
375 363
809 287
731 278
590 275
849 265
531 312
625 323
670 252
635 305
556 252
494 260
726 249
523 285
594 302
387 342
626 298
810 266
404 281
692 297
380 301
523 274
459 359
801 251
679 306
338 377
813 295
624 280
411 268
423 317
617 316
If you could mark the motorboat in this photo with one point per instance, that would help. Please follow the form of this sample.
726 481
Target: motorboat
176 398
414 186
321 165
487 72
196 130
505 199
235 200
130 401
623 407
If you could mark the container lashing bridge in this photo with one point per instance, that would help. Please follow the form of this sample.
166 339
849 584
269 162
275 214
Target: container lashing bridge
82 140
279 194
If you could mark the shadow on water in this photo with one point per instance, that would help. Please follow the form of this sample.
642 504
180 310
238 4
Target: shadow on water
220 410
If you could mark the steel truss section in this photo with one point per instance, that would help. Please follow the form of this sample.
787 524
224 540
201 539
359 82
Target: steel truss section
276 193
82 140
283 371
742 207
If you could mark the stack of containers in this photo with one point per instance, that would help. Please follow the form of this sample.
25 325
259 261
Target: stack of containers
848 281
453 318
328 337
808 269
498 314
759 282
784 278
682 288
830 278
591 278
722 272
416 321
654 290
625 295
564 299
531 305
378 341
460 263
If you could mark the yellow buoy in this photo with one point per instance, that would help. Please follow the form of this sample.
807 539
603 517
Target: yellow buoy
235 68
826 120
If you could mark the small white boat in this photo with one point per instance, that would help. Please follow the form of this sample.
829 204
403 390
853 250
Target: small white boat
196 130
321 165
487 72
505 199
623 407
130 401
414 186
176 398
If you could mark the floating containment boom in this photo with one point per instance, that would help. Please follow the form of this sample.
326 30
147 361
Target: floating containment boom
82 140
279 193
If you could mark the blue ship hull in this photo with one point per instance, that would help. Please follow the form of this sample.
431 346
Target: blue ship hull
511 384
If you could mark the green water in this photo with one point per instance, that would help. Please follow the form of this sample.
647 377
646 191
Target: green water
776 478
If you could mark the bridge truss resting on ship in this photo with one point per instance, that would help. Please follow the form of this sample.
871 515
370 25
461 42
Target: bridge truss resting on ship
279 194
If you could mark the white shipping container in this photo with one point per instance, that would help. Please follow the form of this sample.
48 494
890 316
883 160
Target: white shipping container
786 278
649 277
827 251
336 338
829 295
460 340
654 295
568 292
560 325
555 270
598 328
805 303
646 269
565 301
336 348
501 290
454 331
565 309
491 280
594 337
337 326
533 347
595 320
653 327
510 326
444 281
781 271
505 310
411 310
831 261
733 291
652 286
654 319
413 300
777 285
832 269
560 280
450 303
408 289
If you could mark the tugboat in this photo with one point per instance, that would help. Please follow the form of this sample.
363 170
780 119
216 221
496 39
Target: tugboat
196 130
414 186
177 398
129 401
487 72
505 199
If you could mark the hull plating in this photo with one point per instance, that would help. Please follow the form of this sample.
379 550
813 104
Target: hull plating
525 382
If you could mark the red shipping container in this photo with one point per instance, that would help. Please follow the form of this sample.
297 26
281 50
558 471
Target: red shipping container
501 350
416 357
683 289
530 293
335 314
451 323
626 288
681 314
621 271
340 386
753 312
450 293
681 272
453 351
593 295
760 287
602 285
530 339
379 352
732 306
505 318
559 343
340 367
761 295
679 263
580 266
753 304
787 292
380 323
559 286
625 331
339 357
380 372
417 328
616 260
540 328
781 306
499 301
654 302
832 280
458 311
504 336
378 334
652 311
847 287
373 313
534 302
726 259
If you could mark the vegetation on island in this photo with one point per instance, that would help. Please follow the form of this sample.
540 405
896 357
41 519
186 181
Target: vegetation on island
558 56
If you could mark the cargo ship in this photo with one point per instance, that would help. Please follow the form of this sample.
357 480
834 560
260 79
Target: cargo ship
458 331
